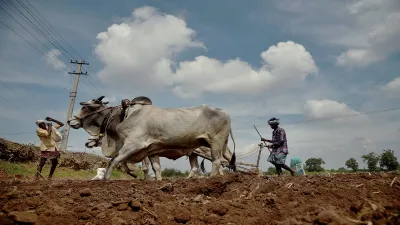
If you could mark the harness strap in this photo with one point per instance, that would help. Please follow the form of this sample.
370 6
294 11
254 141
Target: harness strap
106 120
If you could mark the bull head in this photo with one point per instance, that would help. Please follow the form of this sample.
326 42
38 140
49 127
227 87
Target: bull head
94 102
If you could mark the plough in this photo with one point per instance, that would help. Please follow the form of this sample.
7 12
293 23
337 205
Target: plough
240 165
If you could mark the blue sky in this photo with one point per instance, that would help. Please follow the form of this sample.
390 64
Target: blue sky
293 60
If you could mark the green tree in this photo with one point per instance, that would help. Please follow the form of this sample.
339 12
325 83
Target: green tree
372 160
352 164
314 165
388 160
341 169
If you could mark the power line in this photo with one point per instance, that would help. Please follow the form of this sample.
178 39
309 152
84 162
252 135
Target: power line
44 35
44 28
33 46
95 81
31 25
348 115
55 31
97 85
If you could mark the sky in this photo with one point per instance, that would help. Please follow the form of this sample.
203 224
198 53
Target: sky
309 63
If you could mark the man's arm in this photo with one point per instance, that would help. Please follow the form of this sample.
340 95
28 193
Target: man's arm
55 121
267 140
42 133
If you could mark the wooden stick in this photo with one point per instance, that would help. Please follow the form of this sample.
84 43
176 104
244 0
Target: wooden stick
40 175
252 192
394 179
151 212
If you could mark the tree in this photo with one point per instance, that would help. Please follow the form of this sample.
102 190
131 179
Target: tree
341 169
372 160
352 164
314 164
388 160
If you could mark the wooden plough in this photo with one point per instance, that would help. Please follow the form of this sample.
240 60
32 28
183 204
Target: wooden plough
241 167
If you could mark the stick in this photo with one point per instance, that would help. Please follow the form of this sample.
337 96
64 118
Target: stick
259 155
261 137
394 179
40 175
252 192
150 212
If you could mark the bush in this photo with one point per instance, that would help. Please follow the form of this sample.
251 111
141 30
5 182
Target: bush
20 153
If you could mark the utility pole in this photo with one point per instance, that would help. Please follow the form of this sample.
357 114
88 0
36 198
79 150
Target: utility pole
72 96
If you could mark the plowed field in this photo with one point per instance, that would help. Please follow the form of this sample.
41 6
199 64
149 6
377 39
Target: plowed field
230 199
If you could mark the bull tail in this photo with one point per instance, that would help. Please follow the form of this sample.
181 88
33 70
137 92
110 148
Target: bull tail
203 169
232 163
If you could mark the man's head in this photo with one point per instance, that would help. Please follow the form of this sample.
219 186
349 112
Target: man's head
273 123
42 124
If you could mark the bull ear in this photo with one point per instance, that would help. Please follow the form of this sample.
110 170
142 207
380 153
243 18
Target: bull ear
105 103
84 103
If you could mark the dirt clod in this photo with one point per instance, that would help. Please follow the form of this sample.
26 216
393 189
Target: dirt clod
85 192
182 219
135 205
118 221
27 217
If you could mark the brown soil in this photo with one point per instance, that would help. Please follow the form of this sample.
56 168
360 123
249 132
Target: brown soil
231 199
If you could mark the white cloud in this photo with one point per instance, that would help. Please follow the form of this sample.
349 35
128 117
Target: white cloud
53 58
140 53
382 40
367 29
321 109
286 64
392 88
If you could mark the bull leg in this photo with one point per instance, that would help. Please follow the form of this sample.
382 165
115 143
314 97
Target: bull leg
194 165
216 153
220 171
127 170
155 163
145 167
126 151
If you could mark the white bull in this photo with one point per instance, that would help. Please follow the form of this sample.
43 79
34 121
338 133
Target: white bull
202 152
150 131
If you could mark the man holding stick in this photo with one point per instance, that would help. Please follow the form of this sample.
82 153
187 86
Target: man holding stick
48 136
279 147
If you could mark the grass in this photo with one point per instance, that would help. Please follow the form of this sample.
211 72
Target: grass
28 170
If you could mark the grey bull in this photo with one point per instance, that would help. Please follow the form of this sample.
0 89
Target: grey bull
202 152
148 130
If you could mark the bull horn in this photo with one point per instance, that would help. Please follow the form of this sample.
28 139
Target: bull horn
100 98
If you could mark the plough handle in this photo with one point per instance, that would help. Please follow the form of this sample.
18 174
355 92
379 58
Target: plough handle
261 137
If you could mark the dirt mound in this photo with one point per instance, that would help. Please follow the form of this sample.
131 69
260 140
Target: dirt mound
231 199
21 153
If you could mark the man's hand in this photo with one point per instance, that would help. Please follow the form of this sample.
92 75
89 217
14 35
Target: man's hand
55 121
263 139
